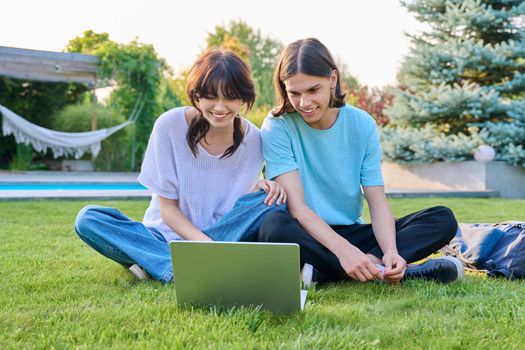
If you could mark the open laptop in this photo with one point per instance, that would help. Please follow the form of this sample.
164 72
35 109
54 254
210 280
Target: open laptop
238 274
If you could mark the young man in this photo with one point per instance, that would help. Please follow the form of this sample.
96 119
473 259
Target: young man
323 152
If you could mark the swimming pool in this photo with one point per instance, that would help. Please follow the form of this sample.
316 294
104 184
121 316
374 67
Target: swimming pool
81 186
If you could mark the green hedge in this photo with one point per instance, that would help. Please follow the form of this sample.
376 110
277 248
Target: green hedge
116 150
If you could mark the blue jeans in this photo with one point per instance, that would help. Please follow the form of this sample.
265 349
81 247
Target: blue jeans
129 242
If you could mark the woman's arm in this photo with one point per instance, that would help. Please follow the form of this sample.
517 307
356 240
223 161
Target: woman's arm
385 232
178 222
356 264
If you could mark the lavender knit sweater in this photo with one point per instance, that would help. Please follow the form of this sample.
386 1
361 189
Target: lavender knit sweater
206 186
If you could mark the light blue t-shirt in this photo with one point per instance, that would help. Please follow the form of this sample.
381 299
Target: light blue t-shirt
333 164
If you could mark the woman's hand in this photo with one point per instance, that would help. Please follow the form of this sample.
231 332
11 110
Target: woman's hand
276 193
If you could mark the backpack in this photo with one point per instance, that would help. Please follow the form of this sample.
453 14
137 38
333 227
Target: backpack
497 249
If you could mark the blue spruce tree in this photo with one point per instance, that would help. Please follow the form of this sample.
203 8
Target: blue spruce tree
462 84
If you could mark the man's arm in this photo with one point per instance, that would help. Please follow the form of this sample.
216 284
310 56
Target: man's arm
385 232
178 222
356 264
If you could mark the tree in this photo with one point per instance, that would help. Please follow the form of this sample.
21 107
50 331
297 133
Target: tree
169 94
349 82
464 78
138 70
373 100
89 42
257 50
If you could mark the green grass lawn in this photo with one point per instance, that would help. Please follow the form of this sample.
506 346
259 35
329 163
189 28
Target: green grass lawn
56 292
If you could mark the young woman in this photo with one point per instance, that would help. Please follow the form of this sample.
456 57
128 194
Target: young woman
323 152
201 164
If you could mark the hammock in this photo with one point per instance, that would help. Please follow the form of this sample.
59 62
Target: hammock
61 143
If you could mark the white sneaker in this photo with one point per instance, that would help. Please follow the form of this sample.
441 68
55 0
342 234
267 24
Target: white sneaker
307 274
138 272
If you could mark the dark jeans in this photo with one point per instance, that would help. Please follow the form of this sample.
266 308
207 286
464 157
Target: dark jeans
417 236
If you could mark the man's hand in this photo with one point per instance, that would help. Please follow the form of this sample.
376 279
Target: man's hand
395 267
357 265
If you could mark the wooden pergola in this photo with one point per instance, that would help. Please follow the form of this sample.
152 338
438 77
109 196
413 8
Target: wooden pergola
51 66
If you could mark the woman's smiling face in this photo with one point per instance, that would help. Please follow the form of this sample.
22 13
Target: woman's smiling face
219 111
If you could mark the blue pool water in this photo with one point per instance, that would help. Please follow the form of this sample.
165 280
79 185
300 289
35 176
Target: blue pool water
53 186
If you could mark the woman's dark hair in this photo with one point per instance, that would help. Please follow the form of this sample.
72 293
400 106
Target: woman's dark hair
308 56
213 70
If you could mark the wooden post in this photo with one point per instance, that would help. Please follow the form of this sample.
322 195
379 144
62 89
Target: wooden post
94 116
133 145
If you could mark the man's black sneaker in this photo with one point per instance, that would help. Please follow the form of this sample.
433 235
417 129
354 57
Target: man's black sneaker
444 269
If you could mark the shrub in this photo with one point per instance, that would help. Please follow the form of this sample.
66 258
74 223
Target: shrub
374 101
257 115
22 159
116 150
425 145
